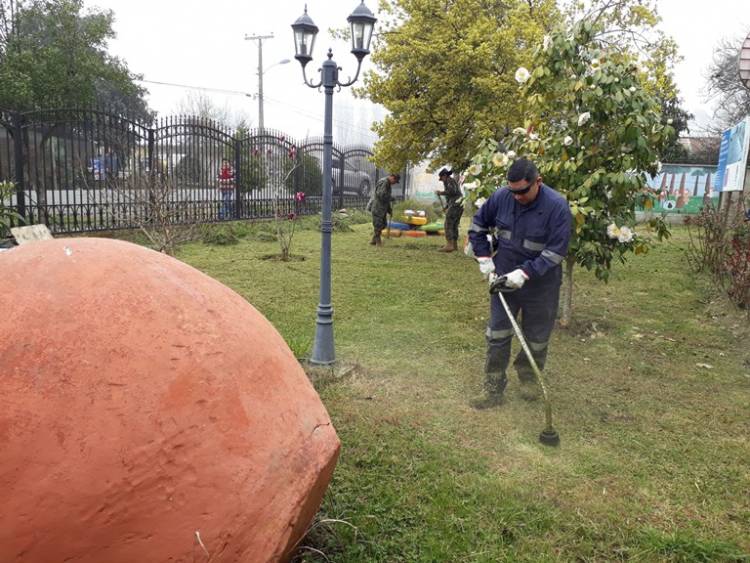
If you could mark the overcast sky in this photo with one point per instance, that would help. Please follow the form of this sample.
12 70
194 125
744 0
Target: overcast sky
199 43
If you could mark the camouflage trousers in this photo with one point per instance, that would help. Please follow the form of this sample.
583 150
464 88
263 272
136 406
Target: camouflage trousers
452 220
379 221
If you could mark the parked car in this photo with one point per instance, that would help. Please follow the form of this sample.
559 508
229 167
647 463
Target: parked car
356 181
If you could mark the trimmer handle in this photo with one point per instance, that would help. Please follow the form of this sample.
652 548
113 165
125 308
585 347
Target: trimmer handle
498 285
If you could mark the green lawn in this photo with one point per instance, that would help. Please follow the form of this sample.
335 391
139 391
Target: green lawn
654 463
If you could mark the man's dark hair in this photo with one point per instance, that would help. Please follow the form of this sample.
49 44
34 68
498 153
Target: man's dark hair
522 169
396 176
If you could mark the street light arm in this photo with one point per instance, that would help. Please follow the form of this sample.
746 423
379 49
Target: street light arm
310 84
351 80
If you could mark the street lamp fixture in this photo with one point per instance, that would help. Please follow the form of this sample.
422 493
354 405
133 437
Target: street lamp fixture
362 22
305 32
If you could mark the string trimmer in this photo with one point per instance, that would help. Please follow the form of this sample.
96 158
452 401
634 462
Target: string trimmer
548 436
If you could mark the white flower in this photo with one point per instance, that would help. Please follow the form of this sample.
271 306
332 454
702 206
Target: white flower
613 231
511 154
595 63
533 136
500 159
617 80
583 118
567 141
471 185
670 121
657 164
547 43
593 87
626 235
480 202
632 88
522 75
475 169
519 131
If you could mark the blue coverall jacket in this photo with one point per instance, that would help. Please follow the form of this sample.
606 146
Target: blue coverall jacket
532 237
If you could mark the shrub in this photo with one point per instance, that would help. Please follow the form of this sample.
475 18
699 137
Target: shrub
221 235
307 178
7 216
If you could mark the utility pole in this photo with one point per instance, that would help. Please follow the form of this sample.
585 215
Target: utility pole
259 39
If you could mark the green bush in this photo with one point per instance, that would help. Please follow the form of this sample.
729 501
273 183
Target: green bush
264 231
221 235
7 216
358 217
308 177
252 172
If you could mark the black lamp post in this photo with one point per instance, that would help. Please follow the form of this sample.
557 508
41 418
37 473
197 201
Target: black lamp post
362 22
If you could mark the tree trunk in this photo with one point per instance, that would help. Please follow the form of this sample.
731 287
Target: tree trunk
567 302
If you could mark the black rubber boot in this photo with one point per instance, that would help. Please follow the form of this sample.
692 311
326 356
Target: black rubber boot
494 386
498 357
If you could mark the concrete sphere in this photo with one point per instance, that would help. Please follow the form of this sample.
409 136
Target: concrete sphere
149 414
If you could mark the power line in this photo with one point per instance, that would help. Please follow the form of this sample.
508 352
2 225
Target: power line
221 90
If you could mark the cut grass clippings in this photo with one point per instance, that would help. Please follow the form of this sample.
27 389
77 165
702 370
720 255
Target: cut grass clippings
653 464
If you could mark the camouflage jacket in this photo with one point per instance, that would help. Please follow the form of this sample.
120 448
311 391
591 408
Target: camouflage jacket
452 193
382 199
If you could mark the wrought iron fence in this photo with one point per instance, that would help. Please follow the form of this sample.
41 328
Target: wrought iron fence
91 170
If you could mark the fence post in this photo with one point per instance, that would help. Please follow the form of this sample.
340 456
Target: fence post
150 149
237 180
341 179
19 163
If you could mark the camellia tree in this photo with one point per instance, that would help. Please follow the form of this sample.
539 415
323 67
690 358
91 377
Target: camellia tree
595 131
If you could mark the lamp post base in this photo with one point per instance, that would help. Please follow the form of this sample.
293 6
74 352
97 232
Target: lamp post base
323 353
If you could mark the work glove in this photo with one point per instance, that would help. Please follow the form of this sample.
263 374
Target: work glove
486 266
516 278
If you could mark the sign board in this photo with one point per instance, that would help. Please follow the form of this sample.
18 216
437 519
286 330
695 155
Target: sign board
25 235
744 63
683 188
735 144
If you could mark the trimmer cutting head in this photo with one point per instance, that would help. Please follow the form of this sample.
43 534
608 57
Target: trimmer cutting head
549 437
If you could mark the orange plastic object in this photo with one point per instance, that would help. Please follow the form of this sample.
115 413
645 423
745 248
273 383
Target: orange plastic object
414 234
150 413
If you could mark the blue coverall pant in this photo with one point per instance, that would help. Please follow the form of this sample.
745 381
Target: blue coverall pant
538 307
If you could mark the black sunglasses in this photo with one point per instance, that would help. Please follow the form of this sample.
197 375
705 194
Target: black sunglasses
522 190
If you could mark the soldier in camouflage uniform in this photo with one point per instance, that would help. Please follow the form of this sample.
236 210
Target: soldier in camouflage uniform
453 209
381 206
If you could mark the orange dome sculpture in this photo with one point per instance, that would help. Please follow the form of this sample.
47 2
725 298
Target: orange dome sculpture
149 414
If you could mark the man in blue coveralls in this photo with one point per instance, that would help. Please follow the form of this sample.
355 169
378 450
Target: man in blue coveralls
532 224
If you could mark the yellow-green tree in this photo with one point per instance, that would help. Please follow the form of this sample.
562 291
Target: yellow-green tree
444 71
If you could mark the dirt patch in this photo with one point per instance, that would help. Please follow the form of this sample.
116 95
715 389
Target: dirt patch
322 376
588 327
